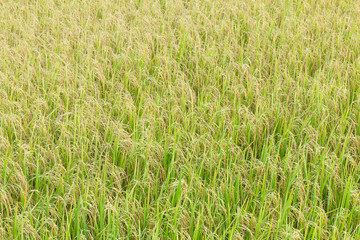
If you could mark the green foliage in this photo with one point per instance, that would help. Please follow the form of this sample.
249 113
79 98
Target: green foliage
214 119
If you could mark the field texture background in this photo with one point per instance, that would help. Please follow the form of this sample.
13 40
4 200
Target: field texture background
213 119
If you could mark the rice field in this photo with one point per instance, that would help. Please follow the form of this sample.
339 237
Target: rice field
179 119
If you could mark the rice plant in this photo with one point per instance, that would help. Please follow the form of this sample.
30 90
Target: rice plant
179 119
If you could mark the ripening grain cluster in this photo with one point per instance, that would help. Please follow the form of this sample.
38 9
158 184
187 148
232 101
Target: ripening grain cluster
179 119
